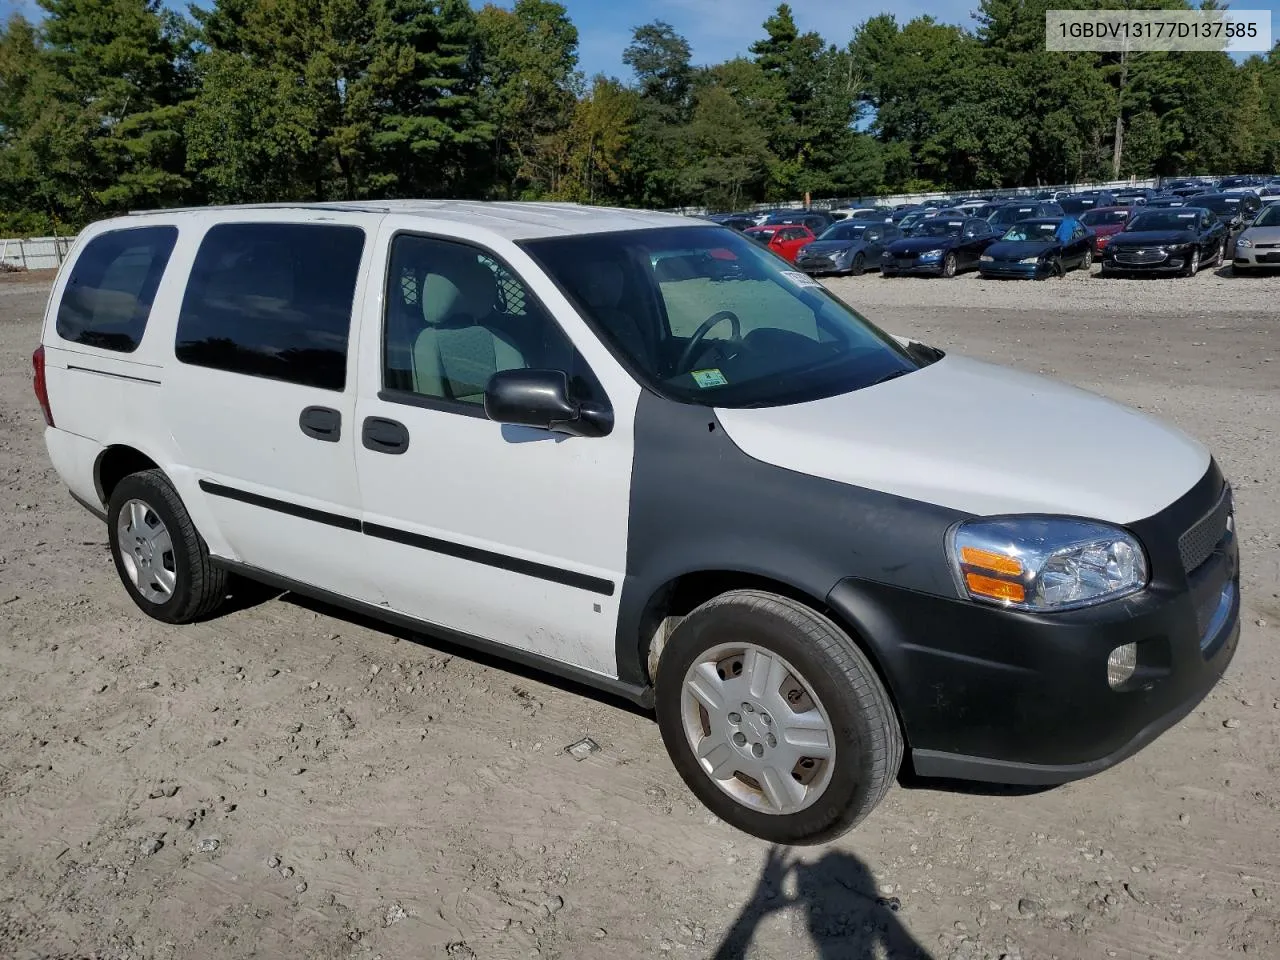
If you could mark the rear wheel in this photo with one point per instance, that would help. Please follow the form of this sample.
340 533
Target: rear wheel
775 719
162 560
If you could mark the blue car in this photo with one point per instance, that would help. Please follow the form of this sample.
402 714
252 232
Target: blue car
1039 249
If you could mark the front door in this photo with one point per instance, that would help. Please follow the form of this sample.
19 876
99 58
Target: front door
509 534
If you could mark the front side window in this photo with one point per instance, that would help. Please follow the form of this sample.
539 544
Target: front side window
272 300
113 282
455 316
734 327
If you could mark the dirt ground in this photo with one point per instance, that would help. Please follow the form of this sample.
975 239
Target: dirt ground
285 782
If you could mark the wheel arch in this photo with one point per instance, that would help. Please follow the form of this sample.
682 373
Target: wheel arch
679 595
116 462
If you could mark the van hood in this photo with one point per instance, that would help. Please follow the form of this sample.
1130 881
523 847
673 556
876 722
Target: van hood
982 439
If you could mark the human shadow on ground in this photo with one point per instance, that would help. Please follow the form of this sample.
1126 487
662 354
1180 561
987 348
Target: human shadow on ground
847 918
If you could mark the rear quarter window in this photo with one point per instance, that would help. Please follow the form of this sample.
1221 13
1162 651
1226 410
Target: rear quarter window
272 300
108 296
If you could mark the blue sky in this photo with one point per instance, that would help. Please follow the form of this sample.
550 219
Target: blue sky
718 29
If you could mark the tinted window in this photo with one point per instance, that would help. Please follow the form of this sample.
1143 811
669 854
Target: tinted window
455 316
108 296
272 300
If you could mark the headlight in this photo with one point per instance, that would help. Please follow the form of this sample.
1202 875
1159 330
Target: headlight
1029 260
1244 242
931 255
1045 563
987 258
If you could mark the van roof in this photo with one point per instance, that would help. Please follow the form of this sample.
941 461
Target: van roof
513 220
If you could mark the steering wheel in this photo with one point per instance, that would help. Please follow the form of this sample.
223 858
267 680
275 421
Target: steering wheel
686 358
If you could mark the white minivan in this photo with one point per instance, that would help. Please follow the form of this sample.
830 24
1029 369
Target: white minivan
642 452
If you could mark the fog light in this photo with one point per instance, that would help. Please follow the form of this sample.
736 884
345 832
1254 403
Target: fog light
1121 665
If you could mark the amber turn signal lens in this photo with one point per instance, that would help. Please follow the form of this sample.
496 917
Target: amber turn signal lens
987 560
995 589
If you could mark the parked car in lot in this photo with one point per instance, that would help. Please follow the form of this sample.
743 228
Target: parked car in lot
1078 203
1039 249
738 503
1258 246
847 246
1010 213
943 246
1133 196
1166 241
785 239
882 214
1106 222
1165 203
1235 209
814 220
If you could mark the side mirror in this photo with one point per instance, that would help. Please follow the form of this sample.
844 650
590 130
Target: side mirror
540 399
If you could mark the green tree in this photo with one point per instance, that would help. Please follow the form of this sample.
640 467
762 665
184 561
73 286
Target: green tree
529 89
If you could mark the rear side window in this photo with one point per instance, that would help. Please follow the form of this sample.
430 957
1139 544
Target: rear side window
273 300
113 282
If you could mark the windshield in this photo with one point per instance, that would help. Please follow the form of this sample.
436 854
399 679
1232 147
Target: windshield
1012 214
702 315
937 227
843 231
1098 218
1162 220
1269 217
1036 230
1220 204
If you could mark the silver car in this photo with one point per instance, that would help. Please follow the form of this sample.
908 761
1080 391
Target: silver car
1258 245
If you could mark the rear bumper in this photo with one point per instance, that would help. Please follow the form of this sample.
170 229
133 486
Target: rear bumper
997 695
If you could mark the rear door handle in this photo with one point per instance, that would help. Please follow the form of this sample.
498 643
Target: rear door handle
384 436
321 423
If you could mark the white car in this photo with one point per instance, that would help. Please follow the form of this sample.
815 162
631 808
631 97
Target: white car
642 452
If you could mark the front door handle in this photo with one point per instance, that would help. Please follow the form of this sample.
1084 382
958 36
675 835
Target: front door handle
384 436
321 423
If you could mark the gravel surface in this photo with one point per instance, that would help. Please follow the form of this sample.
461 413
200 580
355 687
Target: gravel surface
371 796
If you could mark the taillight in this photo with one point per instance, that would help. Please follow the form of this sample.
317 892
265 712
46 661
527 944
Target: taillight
41 385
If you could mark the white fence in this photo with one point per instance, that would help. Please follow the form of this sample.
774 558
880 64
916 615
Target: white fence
35 253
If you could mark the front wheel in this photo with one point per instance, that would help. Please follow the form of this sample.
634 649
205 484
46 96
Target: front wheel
162 560
775 719
858 267
949 265
1193 265
1086 262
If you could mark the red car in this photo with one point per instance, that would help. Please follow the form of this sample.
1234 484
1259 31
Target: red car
783 239
1105 223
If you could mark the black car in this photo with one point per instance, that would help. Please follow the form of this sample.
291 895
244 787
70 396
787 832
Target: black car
1006 215
1039 249
1167 241
1236 209
943 246
1165 203
847 246
1079 203
815 220
1134 196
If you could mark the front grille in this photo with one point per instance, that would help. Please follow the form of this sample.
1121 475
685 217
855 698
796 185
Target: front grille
906 261
1197 544
1266 246
818 263
1140 256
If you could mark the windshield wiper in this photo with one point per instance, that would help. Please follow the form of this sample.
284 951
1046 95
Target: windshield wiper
891 375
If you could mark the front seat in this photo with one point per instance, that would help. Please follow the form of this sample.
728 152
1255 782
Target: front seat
602 286
460 347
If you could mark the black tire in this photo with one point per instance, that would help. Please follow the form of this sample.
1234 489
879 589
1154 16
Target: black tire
949 264
863 725
199 587
1086 262
858 267
1193 265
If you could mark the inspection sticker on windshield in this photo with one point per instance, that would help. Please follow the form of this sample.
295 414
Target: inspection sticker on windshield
800 279
709 378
